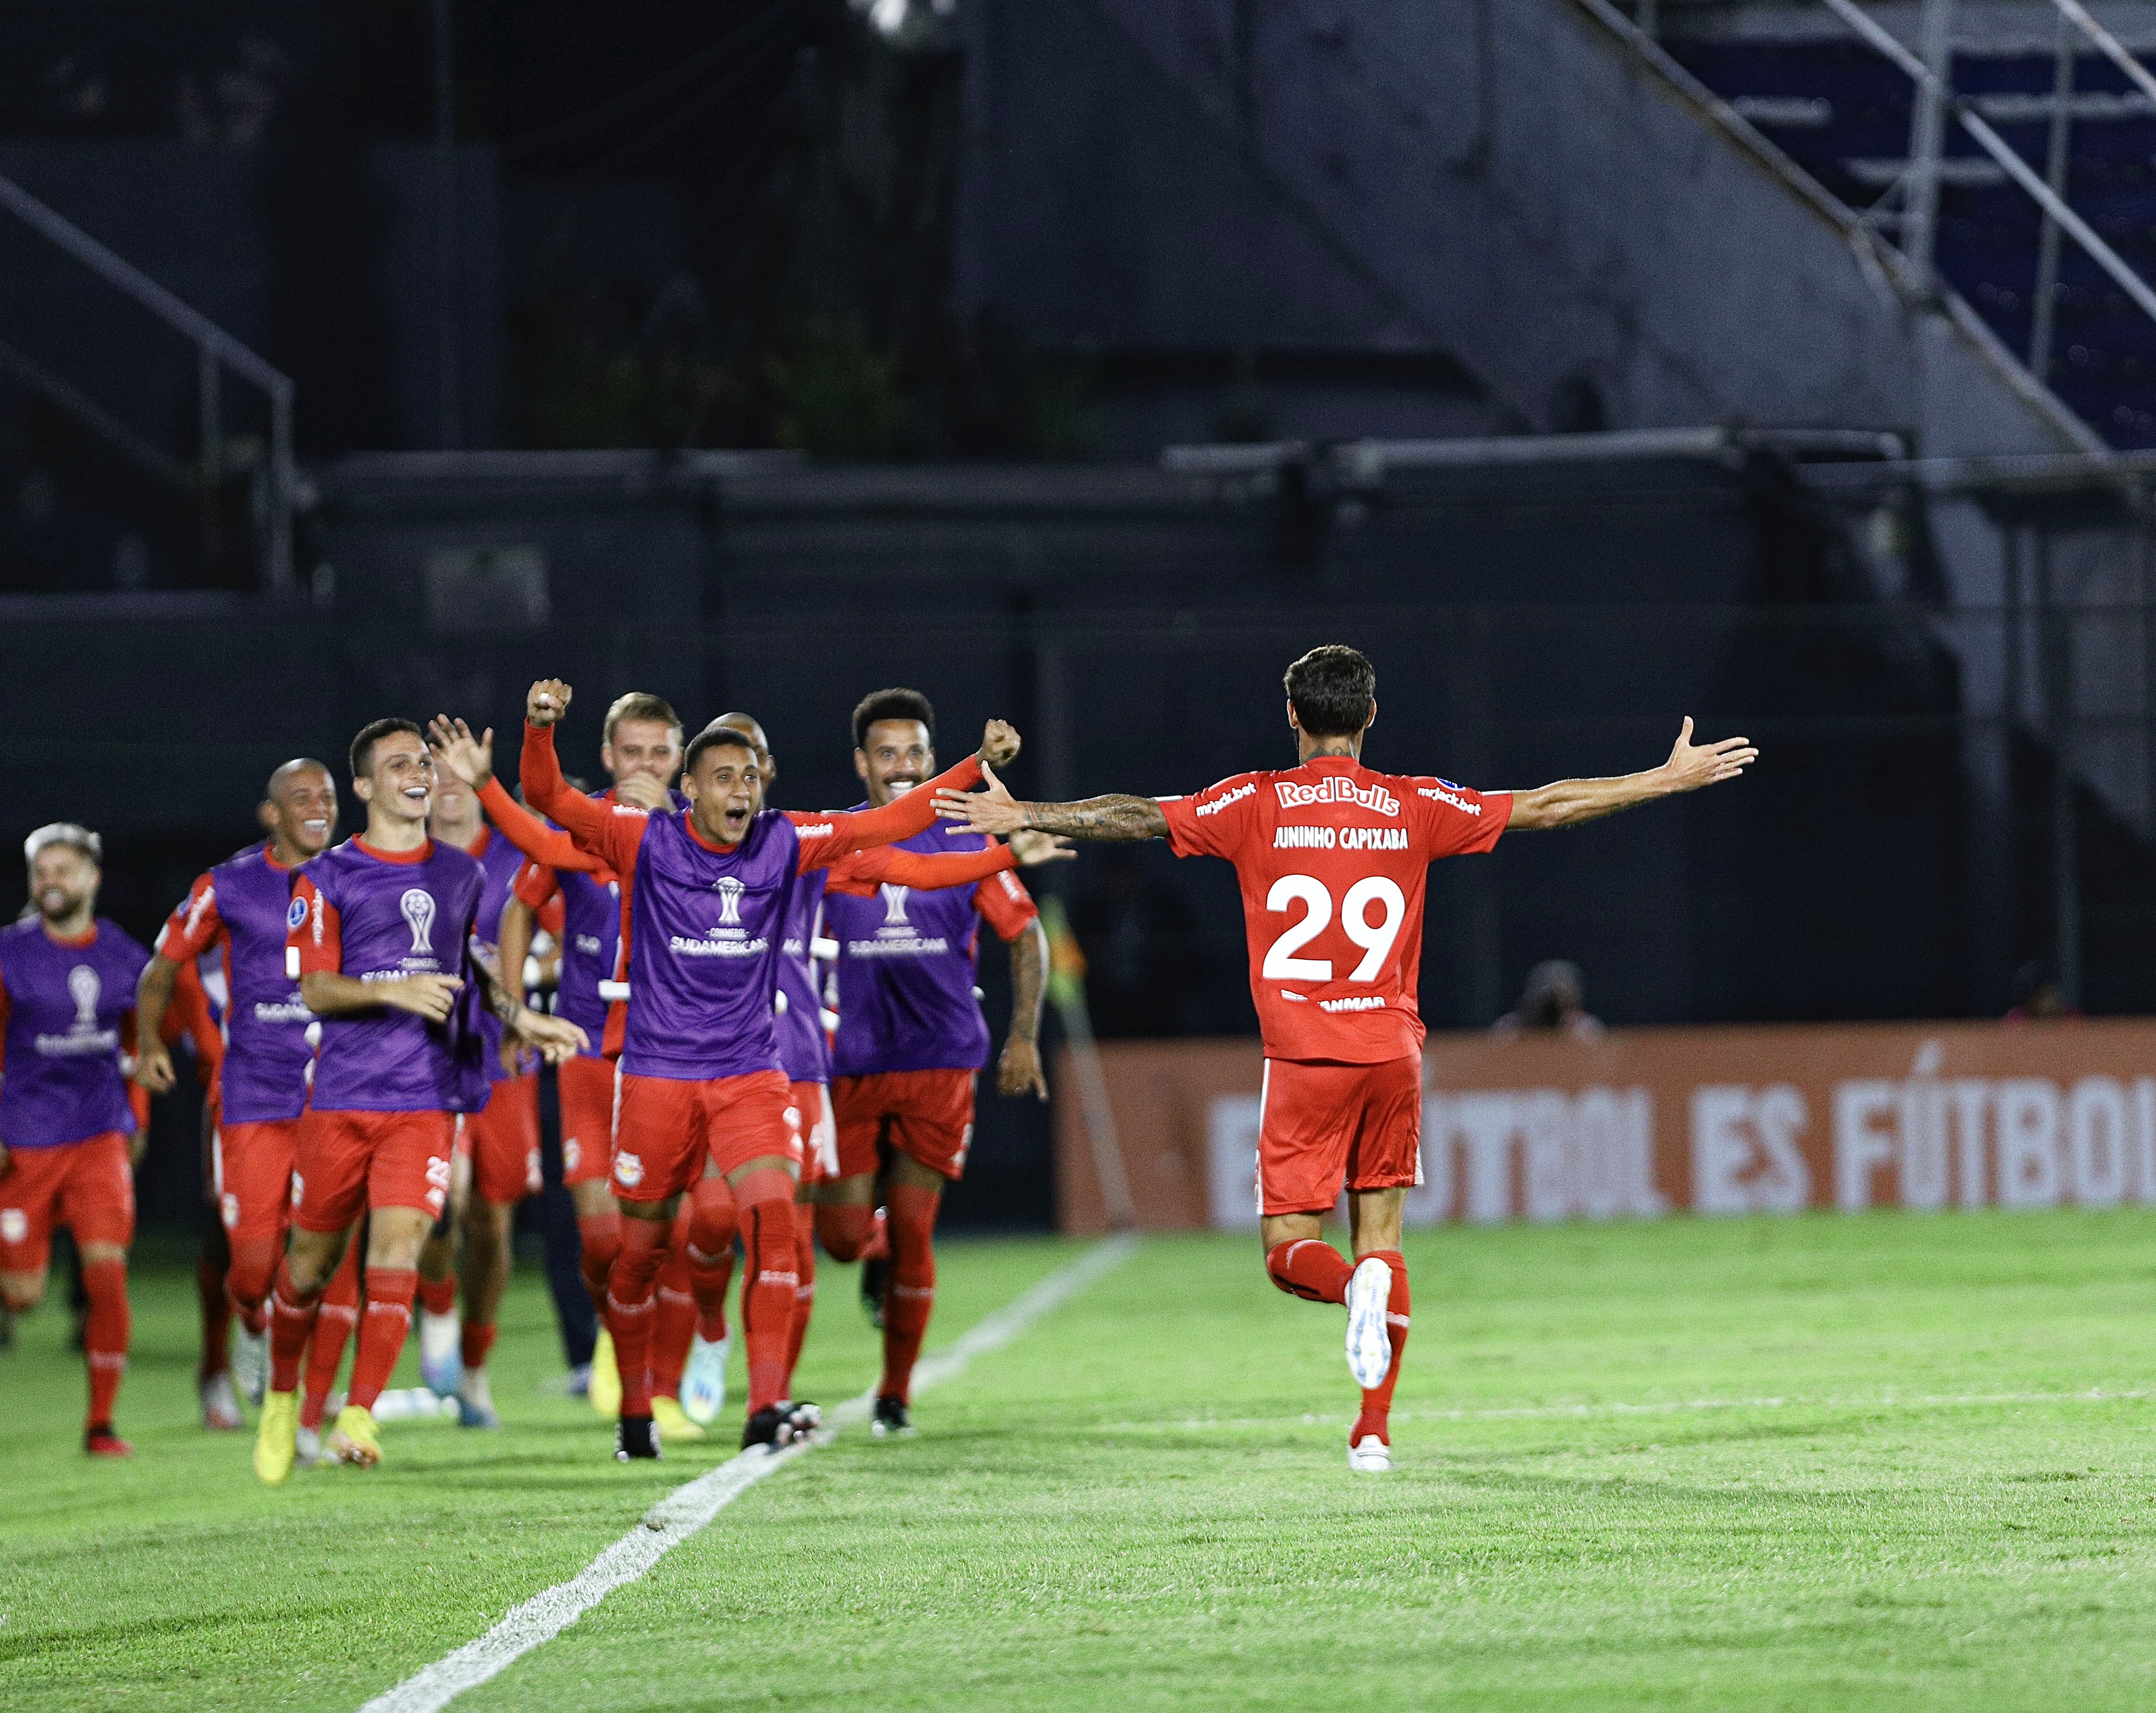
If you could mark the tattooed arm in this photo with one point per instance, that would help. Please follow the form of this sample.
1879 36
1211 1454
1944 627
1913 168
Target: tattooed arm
1109 819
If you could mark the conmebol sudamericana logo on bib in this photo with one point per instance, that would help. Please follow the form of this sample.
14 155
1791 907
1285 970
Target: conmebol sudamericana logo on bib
730 891
84 989
417 905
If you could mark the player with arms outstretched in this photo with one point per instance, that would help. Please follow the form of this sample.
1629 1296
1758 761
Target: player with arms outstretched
379 940
706 893
1331 859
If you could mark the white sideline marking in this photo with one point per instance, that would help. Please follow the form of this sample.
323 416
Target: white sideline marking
1566 1412
688 1507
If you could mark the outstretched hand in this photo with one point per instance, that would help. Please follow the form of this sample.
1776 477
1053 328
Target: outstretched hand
993 810
1032 849
999 745
546 702
1692 766
470 759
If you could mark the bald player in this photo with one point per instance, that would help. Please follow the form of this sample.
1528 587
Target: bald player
238 910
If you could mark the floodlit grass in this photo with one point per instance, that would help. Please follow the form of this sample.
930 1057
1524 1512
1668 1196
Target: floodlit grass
1814 1463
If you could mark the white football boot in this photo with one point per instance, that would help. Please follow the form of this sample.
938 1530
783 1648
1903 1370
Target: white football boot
703 1381
1370 1456
441 1352
1369 1339
250 1362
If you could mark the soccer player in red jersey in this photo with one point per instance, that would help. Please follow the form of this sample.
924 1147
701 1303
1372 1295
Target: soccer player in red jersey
69 1136
380 931
237 910
911 1041
1331 858
706 893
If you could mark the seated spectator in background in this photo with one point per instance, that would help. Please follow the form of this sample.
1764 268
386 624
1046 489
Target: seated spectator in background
1552 1003
2038 997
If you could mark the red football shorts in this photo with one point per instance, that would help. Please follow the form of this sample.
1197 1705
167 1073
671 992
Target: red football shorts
1321 1125
665 1130
350 1161
585 1088
808 1115
251 1167
88 1186
503 1138
925 1115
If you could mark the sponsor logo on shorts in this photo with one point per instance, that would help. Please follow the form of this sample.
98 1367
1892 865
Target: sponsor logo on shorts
299 1188
438 1182
295 914
228 1208
1222 800
1452 797
628 1170
14 1225
572 1153
1371 1003
1336 788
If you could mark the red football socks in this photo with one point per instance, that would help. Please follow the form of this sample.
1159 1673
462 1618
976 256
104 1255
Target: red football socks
291 1320
335 1322
216 1314
476 1340
1377 1400
437 1296
105 1335
1310 1269
673 1315
629 1302
765 1199
804 1293
714 1221
911 1296
381 1330
600 1235
845 1228
247 1283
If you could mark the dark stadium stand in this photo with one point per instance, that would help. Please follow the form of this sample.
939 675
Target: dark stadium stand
1842 111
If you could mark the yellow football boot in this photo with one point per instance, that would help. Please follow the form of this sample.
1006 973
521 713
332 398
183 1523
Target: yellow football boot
674 1426
355 1439
605 1392
277 1437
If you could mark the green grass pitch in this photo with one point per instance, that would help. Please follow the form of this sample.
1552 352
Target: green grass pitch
1814 1463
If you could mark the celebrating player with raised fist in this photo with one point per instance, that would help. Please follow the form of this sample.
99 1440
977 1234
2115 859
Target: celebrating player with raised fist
1331 859
706 892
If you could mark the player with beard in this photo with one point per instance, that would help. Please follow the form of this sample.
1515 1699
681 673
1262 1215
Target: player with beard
641 751
1333 859
706 893
911 1041
497 1159
803 1045
237 910
381 942
69 1138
